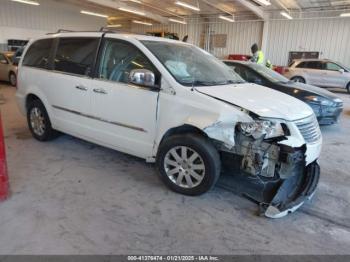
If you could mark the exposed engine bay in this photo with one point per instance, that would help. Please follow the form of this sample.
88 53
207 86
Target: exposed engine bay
273 175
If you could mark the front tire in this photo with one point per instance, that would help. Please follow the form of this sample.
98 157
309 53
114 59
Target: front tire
13 79
298 79
39 122
188 164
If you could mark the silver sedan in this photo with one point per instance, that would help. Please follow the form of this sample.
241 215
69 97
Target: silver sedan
323 73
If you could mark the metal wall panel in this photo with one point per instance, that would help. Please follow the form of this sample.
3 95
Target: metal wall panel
240 37
331 37
192 30
22 21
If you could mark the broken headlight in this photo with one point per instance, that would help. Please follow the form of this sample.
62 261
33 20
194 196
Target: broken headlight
260 128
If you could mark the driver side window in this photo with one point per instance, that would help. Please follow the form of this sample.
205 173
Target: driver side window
119 58
252 77
332 67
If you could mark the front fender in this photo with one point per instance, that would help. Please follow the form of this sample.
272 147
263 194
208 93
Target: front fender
213 117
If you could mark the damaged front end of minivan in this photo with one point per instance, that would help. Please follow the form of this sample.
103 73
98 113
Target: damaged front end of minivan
269 161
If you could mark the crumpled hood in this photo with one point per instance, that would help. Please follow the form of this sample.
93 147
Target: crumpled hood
260 100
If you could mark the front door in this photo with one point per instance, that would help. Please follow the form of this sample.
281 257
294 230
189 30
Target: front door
332 75
125 114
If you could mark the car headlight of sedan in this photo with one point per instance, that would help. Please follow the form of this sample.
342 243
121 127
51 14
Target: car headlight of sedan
319 100
260 128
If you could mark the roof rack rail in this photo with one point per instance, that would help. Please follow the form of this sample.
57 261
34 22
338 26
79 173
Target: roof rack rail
106 29
61 31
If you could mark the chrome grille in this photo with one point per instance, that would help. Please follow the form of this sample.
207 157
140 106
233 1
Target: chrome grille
309 129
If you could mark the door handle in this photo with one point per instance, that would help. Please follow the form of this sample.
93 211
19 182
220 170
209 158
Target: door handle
100 91
82 88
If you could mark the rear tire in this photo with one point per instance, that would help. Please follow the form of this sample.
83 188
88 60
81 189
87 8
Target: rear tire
298 79
188 164
39 122
348 88
13 79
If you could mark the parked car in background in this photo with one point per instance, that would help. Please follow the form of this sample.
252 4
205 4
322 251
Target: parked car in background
326 105
174 104
8 70
319 72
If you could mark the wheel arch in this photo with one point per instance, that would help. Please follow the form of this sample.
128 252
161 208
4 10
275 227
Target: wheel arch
12 72
299 76
30 96
181 130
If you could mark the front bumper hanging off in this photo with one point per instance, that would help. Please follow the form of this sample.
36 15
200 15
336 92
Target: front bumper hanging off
279 195
293 192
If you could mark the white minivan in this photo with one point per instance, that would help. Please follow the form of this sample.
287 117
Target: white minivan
173 104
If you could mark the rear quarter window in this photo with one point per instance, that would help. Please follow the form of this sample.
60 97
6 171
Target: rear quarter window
291 64
38 54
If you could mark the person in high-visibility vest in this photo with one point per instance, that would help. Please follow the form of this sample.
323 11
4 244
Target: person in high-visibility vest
258 55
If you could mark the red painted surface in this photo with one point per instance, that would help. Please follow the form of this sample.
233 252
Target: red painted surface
4 179
239 57
280 69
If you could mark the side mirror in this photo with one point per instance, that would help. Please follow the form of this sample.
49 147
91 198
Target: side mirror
341 70
4 62
142 77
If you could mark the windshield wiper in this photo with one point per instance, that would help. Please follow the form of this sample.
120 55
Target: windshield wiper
235 82
199 83
211 83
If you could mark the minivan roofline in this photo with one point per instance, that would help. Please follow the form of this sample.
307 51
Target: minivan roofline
113 34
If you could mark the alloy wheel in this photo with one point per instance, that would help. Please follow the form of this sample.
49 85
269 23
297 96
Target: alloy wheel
184 167
37 121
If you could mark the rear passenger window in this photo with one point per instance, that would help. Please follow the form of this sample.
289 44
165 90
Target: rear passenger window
76 55
38 54
314 65
310 65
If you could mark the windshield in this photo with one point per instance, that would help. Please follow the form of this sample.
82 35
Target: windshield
192 66
270 74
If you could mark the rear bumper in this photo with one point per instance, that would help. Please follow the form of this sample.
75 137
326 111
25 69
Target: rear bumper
293 192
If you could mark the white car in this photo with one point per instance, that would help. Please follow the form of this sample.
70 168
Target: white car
174 104
323 73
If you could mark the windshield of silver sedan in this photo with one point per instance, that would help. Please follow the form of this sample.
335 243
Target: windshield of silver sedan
192 66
